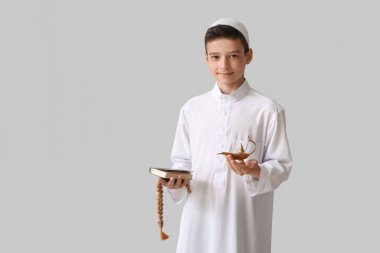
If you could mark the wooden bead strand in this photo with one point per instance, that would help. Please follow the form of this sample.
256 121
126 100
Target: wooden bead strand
160 208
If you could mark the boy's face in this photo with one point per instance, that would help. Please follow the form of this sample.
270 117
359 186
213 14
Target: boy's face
226 61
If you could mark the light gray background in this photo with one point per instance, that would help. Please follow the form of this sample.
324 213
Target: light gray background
89 99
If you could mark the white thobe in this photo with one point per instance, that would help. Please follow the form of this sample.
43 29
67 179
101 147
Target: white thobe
226 212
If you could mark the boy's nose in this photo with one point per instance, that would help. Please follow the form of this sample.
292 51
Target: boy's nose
224 63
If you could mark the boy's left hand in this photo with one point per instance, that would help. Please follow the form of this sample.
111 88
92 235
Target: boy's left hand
250 167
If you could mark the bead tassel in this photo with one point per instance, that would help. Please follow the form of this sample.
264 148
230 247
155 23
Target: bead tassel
160 212
160 209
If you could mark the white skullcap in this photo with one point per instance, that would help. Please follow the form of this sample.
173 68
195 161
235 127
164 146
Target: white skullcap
235 24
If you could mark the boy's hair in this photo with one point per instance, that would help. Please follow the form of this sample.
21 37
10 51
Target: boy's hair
225 31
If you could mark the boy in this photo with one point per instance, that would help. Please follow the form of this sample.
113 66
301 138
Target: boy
230 207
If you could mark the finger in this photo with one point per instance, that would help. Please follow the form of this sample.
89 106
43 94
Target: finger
162 181
242 168
185 182
240 171
233 165
234 162
229 162
178 183
170 183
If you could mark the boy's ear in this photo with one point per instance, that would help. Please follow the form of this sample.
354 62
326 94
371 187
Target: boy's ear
206 59
249 55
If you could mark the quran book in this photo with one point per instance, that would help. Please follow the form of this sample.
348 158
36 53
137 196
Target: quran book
168 173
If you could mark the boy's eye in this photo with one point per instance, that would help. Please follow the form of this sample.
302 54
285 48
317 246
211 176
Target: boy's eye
234 56
214 57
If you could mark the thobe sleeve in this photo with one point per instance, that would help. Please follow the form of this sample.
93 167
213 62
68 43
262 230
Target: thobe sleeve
181 153
277 160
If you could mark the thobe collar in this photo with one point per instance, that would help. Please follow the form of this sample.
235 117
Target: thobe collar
235 96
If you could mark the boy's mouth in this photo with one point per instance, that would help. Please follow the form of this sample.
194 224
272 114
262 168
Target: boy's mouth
225 74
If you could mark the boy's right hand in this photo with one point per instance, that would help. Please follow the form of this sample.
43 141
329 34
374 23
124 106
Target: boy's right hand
174 183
